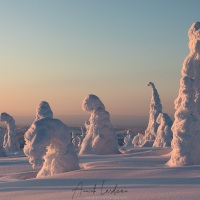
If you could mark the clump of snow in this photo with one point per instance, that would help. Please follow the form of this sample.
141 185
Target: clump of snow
2 150
186 127
43 110
101 137
138 140
155 110
61 156
36 153
11 140
164 134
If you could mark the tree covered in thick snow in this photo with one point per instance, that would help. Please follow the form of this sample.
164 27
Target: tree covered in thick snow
186 127
36 153
164 134
101 137
11 140
60 156
155 110
2 150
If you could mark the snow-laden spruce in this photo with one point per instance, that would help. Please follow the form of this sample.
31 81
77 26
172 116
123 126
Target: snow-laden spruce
101 137
155 110
186 127
36 153
61 156
164 134
128 138
11 140
2 150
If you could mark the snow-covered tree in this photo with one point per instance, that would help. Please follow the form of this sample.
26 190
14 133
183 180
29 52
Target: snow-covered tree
75 140
2 150
11 140
60 156
101 137
186 127
138 140
128 138
155 110
164 134
36 153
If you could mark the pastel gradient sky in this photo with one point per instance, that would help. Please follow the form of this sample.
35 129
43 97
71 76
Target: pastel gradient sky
62 50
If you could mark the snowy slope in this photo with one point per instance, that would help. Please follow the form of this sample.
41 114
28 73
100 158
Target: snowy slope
140 173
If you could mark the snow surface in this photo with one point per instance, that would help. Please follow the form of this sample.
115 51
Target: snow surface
155 110
186 127
139 173
101 137
11 140
164 134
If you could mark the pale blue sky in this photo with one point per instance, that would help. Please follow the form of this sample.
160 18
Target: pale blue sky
62 50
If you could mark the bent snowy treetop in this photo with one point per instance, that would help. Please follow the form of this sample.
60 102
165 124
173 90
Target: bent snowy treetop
155 110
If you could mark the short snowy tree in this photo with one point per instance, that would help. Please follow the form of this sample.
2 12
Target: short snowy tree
164 134
155 110
60 156
11 140
186 127
138 140
101 137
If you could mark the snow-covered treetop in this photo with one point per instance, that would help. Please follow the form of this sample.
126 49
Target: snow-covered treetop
191 63
43 110
92 103
5 117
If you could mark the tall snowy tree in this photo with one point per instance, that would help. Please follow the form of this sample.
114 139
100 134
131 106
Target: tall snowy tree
186 127
155 110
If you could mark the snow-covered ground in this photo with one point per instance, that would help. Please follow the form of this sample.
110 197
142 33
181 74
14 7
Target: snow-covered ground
138 173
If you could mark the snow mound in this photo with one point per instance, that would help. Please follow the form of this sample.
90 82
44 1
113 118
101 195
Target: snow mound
101 137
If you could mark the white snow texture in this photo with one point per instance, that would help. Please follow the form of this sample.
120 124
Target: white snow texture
186 127
155 110
2 150
138 140
11 140
101 137
36 153
164 134
129 137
